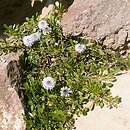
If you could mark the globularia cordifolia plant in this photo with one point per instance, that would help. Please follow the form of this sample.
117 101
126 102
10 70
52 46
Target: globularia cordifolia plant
61 74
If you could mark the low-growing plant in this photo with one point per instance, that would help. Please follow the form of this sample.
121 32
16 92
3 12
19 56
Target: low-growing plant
61 74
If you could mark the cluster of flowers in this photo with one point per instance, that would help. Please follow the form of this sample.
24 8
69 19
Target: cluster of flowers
45 29
48 82
30 39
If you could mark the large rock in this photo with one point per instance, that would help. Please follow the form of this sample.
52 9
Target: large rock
11 109
106 21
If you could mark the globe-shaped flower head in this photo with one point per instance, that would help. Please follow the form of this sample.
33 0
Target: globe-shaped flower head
28 40
80 48
36 36
48 83
44 26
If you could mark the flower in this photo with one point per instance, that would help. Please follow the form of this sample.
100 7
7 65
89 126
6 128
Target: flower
80 48
42 24
46 30
65 91
36 36
28 40
48 83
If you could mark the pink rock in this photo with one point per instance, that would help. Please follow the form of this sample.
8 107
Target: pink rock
11 109
105 21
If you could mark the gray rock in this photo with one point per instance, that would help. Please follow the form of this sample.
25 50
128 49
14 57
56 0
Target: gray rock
105 21
11 108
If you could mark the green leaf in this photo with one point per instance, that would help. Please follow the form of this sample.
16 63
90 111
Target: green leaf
109 85
85 111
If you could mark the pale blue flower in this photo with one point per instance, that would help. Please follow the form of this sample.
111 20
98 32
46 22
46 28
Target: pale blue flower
36 36
28 40
44 26
46 30
65 91
48 83
80 48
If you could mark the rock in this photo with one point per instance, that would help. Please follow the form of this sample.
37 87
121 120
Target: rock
49 7
11 108
105 21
